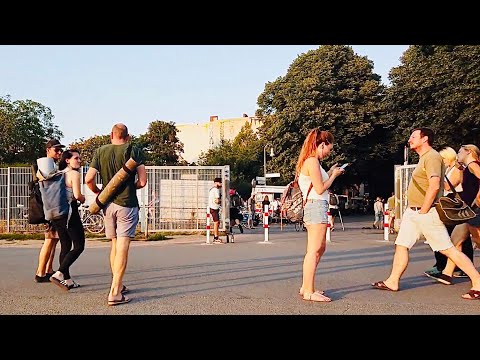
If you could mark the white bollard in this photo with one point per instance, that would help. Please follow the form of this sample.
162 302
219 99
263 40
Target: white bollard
329 231
208 228
265 222
385 223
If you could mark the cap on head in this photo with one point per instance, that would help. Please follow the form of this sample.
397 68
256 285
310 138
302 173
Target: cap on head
54 143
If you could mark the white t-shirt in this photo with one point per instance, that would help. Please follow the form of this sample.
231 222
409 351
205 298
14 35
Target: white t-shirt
213 194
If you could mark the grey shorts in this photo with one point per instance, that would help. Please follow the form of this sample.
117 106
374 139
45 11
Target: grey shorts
120 221
315 212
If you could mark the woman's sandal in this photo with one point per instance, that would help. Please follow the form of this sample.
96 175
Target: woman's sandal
300 292
316 297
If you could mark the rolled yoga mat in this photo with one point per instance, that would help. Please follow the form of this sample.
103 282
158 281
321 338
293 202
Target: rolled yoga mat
109 191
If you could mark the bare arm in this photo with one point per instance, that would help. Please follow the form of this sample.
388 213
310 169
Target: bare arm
455 177
141 177
313 168
90 180
431 194
75 184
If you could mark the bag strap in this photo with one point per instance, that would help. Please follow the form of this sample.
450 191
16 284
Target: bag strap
308 192
297 175
417 185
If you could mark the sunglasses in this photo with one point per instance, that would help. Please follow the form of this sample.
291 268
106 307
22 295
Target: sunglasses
57 150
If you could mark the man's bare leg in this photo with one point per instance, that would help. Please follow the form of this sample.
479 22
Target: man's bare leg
45 258
122 246
400 263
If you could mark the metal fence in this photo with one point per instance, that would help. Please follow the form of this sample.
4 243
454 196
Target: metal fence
175 198
403 174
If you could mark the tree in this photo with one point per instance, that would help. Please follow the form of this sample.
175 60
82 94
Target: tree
243 156
161 144
436 86
332 88
25 127
87 147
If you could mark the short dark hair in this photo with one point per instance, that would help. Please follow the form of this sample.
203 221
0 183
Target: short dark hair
424 131
217 179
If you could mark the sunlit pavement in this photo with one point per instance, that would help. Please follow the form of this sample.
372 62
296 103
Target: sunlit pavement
250 276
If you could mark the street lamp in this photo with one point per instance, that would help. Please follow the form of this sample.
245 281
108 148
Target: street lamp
265 160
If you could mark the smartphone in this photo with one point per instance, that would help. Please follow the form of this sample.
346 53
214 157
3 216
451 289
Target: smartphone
344 166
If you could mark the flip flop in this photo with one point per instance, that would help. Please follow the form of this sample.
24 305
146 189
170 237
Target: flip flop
125 290
381 286
472 295
123 300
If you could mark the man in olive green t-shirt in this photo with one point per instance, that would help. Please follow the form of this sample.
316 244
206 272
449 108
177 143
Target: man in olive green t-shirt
121 212
421 217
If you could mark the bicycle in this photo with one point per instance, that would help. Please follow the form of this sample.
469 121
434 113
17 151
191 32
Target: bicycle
93 223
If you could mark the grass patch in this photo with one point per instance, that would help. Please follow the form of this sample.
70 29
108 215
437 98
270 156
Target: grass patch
156 237
15 236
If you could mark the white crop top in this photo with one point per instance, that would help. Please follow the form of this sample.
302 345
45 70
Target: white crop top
304 182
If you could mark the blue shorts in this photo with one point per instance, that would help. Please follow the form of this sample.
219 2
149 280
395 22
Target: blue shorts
315 212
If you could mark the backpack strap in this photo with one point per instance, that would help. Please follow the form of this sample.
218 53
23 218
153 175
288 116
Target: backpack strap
309 189
308 192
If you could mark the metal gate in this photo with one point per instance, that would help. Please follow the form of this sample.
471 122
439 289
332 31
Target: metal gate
403 174
175 198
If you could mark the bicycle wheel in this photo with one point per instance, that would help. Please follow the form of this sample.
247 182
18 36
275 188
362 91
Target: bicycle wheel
94 223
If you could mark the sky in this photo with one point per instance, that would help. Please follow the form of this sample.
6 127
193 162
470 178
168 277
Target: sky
89 88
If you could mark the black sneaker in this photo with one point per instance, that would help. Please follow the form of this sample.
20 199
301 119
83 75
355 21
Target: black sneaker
42 279
440 277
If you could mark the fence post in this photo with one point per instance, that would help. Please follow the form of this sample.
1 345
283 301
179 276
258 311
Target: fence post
385 223
208 226
8 199
265 222
329 230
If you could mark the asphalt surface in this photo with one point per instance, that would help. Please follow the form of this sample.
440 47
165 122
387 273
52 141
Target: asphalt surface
185 276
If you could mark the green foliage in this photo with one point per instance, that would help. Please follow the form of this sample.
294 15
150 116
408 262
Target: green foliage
161 144
156 237
436 86
242 154
331 88
87 147
25 127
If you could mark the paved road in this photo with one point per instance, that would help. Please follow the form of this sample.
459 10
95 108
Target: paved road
185 276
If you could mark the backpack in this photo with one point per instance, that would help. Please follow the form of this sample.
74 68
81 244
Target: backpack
35 204
54 196
292 201
333 200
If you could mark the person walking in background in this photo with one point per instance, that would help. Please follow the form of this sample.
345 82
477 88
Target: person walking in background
70 228
454 173
314 182
378 209
121 213
332 208
251 212
214 201
421 217
47 252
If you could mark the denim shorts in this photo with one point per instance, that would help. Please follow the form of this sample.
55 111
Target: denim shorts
315 212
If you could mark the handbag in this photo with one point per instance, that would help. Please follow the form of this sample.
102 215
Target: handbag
453 211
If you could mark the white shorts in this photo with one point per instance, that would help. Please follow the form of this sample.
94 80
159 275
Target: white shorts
429 224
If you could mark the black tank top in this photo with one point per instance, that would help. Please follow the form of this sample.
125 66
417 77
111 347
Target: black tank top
470 186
